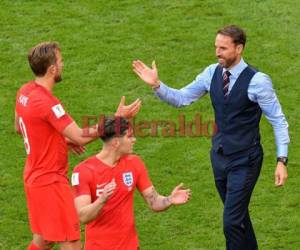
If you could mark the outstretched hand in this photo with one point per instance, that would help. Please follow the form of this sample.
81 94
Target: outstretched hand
147 74
128 111
179 195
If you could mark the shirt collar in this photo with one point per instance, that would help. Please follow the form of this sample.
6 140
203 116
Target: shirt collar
236 70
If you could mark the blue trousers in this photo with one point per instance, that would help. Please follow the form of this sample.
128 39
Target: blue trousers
235 177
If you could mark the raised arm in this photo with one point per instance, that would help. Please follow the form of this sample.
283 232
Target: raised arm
158 202
79 136
82 137
87 210
175 97
147 74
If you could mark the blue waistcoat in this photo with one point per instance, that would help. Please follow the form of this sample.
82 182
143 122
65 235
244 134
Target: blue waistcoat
237 118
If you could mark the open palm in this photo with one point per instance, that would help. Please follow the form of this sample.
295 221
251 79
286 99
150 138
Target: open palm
147 74
179 195
128 111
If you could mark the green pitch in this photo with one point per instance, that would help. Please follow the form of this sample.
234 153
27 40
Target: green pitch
99 39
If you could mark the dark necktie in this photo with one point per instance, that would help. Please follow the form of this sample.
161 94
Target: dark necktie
226 80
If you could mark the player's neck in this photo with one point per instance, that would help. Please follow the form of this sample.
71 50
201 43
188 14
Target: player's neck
46 82
109 157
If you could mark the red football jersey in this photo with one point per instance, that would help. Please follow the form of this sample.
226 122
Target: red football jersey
41 119
114 227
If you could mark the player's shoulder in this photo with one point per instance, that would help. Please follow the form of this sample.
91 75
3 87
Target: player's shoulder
132 158
27 96
134 161
84 165
37 93
27 88
90 165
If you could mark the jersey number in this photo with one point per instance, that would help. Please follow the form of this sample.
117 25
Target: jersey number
24 133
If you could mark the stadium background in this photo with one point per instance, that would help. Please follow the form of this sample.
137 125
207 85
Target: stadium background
99 39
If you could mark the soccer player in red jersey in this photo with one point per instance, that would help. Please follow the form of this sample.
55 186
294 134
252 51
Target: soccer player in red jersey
104 185
47 129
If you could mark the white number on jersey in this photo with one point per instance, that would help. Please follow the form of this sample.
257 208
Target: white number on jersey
24 133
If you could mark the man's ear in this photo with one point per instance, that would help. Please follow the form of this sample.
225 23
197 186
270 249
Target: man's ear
240 48
51 70
115 142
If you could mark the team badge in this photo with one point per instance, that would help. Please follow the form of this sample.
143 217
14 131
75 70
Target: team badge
128 179
75 179
58 110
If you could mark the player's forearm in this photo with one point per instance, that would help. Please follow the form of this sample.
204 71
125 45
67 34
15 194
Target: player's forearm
87 135
155 201
161 203
91 211
80 136
83 140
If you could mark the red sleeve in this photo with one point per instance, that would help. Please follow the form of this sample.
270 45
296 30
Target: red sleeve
56 115
143 180
81 179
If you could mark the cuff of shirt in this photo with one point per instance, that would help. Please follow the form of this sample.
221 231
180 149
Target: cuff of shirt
282 150
161 90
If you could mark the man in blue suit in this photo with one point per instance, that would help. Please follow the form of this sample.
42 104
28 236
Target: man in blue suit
239 95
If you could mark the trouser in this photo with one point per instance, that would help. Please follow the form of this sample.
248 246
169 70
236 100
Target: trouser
235 177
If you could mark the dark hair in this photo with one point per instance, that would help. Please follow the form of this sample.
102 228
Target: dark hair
110 127
236 33
41 56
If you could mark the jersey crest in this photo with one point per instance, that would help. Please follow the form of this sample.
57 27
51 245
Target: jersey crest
128 179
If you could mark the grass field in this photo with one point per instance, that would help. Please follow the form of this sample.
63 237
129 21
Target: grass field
99 40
